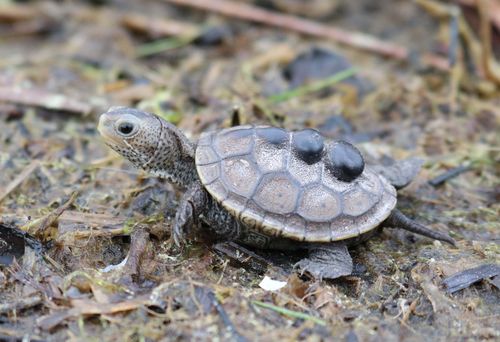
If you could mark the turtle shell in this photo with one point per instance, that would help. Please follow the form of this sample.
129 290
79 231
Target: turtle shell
258 176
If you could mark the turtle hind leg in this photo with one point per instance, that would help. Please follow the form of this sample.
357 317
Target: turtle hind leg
401 172
398 220
327 261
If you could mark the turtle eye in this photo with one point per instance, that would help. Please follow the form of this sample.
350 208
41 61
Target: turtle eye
126 128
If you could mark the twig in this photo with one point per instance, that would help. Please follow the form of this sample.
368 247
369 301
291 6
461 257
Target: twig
91 219
411 309
465 278
290 313
225 318
88 307
42 98
138 248
493 13
246 257
491 68
453 57
48 220
21 304
479 51
12 13
451 173
85 234
158 27
354 39
28 170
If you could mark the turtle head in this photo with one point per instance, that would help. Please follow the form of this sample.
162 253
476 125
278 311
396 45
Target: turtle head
132 133
148 141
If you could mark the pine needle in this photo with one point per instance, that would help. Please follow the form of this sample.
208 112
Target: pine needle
313 87
290 313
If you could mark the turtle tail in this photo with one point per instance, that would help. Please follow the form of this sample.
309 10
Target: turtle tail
398 220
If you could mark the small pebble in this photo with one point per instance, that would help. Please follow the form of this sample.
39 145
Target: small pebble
213 36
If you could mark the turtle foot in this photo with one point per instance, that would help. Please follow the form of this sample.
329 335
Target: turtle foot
401 173
326 262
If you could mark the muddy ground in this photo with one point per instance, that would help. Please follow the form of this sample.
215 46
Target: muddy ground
433 93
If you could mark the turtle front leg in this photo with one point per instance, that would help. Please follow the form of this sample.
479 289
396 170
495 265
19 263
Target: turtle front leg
326 261
198 207
191 206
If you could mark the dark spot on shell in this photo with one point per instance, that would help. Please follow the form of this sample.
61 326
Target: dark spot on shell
345 161
308 144
273 135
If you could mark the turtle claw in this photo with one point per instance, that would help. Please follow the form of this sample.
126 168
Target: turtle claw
186 218
177 238
179 235
326 262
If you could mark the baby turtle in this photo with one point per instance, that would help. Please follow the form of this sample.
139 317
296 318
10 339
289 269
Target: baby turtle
269 188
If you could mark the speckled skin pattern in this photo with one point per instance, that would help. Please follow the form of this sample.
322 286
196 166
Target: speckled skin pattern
157 147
